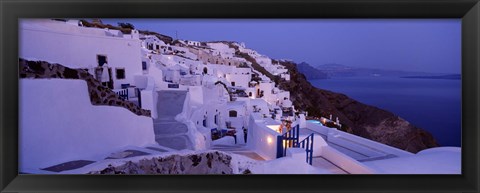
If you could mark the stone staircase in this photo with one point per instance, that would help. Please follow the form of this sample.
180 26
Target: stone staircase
169 132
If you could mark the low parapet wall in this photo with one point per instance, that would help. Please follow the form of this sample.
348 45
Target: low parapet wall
59 124
262 139
360 144
366 146
345 162
148 95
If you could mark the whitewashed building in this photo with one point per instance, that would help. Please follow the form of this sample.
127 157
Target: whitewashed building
193 43
152 42
80 47
208 106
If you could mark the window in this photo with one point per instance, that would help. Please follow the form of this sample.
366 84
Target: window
158 47
101 59
232 113
144 65
249 94
233 83
120 73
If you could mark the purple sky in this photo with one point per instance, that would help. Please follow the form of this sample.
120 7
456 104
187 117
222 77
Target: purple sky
432 45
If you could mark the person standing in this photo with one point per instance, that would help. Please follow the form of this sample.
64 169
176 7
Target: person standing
105 75
245 134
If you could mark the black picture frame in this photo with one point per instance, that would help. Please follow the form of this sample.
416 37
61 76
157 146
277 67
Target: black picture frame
11 11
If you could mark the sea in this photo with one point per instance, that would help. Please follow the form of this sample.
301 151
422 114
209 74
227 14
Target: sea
430 104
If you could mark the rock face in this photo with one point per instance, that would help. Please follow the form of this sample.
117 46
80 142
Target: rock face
99 95
311 72
203 163
357 118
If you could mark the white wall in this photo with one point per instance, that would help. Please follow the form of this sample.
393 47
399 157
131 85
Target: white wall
363 145
203 102
261 139
78 47
360 144
321 148
267 88
347 163
58 123
318 128
443 160
260 103
198 135
141 81
149 96
241 80
240 108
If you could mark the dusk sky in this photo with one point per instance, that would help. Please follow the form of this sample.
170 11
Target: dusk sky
432 45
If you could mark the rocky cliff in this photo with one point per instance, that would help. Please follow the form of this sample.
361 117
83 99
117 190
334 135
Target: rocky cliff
202 163
357 118
311 72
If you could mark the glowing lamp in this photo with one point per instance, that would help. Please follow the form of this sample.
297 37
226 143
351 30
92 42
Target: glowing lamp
269 140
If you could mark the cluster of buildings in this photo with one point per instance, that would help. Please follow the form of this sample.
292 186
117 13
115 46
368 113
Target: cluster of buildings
222 100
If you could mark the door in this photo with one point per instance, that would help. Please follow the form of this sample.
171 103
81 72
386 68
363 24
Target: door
101 59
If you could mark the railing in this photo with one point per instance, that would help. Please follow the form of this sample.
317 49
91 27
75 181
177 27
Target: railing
307 144
123 93
286 140
291 139
173 86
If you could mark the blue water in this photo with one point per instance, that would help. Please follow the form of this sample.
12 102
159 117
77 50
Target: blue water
314 121
431 104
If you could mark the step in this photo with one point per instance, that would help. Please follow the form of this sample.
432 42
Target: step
175 142
169 128
230 148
